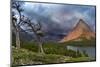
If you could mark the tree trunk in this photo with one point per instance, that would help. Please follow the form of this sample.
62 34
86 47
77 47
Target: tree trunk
17 40
17 32
41 48
40 43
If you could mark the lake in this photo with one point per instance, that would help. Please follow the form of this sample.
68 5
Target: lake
90 50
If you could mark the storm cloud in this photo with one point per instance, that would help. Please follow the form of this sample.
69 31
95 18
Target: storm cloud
59 18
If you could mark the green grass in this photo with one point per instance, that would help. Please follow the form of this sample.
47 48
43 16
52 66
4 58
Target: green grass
23 57
54 53
80 59
51 48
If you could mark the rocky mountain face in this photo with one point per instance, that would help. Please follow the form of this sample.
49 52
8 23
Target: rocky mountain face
81 30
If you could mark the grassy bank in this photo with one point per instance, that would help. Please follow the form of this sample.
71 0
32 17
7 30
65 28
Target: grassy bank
24 57
54 53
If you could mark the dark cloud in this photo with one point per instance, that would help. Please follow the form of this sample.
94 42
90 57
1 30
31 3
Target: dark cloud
57 18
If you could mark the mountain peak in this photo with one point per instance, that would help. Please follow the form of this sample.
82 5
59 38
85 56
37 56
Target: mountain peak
82 24
81 21
80 30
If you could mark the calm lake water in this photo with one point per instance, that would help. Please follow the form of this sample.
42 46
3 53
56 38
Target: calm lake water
90 50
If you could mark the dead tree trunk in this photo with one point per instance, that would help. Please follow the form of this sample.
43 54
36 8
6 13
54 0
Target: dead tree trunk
14 23
38 38
37 33
40 43
17 40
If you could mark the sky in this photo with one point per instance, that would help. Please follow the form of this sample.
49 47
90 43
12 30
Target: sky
59 18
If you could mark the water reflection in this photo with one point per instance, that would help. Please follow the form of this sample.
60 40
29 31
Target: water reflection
90 50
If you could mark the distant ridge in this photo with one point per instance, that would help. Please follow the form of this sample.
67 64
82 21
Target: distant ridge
81 30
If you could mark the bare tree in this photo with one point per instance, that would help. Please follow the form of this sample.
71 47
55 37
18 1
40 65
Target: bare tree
37 31
15 22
